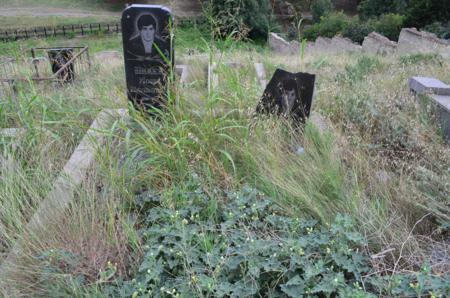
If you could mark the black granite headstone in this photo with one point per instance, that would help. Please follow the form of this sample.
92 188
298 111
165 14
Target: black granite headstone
289 95
58 58
148 53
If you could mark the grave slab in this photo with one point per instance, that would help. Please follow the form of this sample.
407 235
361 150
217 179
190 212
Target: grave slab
428 85
443 113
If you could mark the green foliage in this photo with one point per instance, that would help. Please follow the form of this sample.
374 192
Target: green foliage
415 59
357 30
327 27
418 284
321 8
389 25
242 16
424 12
441 29
243 248
358 71
375 8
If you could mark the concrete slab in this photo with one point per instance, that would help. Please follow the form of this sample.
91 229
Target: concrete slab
443 113
428 85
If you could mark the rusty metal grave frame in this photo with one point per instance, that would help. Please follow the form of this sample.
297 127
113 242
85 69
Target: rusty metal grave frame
80 61
7 71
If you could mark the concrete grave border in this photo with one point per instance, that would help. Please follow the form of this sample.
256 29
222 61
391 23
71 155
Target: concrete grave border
72 175
439 92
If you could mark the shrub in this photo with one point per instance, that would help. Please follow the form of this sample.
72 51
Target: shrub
328 27
374 8
423 12
357 30
321 8
240 15
389 25
442 30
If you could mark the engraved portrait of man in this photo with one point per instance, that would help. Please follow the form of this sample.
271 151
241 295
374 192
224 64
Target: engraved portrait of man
288 95
145 42
288 90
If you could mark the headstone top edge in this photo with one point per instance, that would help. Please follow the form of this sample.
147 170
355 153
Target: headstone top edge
148 6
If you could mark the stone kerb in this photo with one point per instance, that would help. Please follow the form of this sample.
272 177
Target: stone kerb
72 176
413 41
439 92
377 44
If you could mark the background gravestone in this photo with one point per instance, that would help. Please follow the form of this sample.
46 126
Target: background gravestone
148 53
289 95
58 58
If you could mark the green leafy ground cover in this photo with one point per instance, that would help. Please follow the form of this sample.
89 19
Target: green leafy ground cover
370 192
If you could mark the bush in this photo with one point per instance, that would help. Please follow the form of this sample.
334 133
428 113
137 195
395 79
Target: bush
389 25
328 27
423 12
375 8
357 30
321 8
442 30
252 16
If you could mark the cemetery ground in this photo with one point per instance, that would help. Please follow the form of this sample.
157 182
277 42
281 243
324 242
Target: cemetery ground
208 200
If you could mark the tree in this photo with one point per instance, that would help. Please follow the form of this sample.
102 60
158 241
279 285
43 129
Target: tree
255 16
321 8
375 8
425 12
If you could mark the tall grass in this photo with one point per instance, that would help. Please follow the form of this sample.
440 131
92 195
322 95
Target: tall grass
380 159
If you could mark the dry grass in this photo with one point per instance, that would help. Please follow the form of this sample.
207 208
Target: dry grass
380 159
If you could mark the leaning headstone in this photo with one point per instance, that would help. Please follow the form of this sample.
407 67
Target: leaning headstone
413 41
148 54
344 45
278 45
288 95
377 44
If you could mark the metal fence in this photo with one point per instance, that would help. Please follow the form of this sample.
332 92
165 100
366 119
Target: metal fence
62 30
75 30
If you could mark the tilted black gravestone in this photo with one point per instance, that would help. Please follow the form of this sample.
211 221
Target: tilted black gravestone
60 57
148 53
289 95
